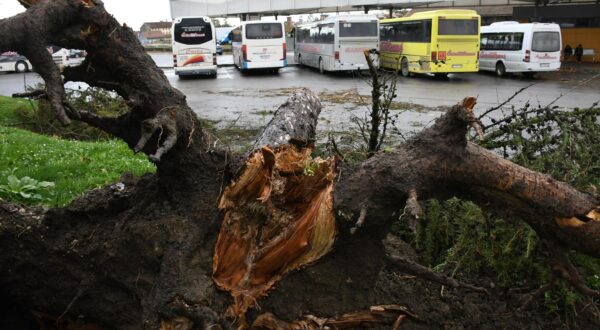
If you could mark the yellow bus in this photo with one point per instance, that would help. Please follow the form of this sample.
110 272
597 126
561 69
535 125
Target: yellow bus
438 42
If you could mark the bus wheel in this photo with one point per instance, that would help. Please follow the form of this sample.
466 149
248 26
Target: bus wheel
440 75
21 67
404 67
500 69
321 68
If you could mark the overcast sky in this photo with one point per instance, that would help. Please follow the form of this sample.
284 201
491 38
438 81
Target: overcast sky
132 12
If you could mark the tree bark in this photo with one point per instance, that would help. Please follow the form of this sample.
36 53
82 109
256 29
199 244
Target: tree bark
145 256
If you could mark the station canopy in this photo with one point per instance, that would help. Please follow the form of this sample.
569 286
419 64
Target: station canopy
225 8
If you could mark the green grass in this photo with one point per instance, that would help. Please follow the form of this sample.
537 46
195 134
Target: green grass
9 107
73 166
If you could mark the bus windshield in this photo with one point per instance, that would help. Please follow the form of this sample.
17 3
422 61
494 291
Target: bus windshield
192 31
458 26
546 42
264 31
354 29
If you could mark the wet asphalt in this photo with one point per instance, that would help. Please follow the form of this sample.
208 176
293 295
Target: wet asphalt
248 100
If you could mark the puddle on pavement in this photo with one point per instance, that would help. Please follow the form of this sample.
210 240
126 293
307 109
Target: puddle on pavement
236 124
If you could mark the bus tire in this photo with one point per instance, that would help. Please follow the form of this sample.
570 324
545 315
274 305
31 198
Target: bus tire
500 69
21 67
441 75
404 67
321 68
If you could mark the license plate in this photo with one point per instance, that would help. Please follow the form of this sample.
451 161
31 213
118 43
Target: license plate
544 65
265 56
456 66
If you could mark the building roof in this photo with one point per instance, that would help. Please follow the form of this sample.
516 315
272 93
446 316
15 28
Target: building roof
155 35
158 25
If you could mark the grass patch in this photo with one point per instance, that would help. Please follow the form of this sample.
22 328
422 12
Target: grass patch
352 96
10 109
73 166
234 138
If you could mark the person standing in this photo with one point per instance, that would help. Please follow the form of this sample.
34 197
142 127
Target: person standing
567 52
578 52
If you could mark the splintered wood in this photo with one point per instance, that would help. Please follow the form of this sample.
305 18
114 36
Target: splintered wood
278 218
376 316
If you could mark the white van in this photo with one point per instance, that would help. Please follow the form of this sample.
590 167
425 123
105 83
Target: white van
520 47
194 46
60 56
259 45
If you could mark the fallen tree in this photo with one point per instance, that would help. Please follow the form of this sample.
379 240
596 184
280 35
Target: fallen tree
214 238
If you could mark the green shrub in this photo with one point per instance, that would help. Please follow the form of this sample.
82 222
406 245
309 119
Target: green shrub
456 236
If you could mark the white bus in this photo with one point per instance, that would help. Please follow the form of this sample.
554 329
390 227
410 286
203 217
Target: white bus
259 45
520 47
337 43
194 46
13 62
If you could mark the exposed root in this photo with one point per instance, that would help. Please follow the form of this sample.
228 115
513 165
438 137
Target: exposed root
165 122
361 219
410 267
376 316
181 315
413 210
563 268
35 94
468 104
536 294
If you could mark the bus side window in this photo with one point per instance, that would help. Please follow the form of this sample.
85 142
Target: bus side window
388 32
326 33
427 31
484 42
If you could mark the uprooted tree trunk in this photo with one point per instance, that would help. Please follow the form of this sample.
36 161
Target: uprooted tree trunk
216 240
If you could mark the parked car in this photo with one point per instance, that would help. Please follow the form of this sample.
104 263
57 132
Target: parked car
13 62
219 49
